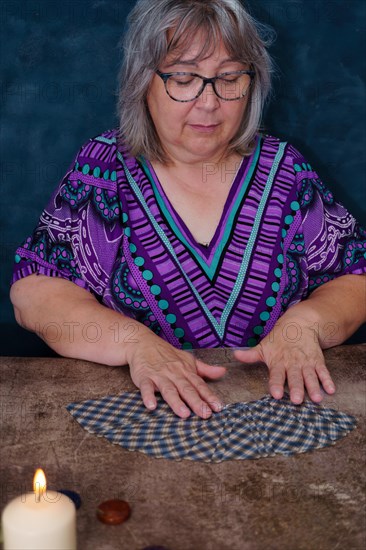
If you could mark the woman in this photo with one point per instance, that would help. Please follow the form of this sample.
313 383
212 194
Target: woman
187 228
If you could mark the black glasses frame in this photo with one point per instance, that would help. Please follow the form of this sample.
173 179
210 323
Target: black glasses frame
165 77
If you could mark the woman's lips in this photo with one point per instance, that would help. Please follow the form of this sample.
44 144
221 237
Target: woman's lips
204 128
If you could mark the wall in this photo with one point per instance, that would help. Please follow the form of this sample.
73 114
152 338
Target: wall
59 61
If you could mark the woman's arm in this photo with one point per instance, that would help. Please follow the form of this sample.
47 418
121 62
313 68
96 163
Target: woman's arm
74 324
293 349
334 311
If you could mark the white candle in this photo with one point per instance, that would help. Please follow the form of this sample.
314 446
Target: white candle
42 520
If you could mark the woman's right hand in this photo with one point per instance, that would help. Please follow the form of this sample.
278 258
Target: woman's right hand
155 365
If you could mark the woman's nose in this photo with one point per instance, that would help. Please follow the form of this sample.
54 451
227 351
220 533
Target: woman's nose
208 98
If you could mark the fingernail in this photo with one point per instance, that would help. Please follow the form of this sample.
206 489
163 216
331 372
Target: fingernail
151 405
206 411
185 410
297 399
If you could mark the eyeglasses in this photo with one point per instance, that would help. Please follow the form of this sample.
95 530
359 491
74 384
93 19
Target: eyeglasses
189 86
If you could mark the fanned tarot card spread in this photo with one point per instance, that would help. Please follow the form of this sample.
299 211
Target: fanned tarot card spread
262 428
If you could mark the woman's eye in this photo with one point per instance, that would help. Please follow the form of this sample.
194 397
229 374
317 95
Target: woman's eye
182 80
229 79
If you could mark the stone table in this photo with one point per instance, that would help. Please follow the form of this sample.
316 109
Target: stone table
309 501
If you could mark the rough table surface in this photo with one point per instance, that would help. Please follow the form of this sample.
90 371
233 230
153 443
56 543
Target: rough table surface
310 501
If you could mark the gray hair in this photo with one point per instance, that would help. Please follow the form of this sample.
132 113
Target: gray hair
146 46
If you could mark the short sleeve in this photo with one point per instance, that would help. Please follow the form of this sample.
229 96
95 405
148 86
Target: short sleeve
333 240
79 231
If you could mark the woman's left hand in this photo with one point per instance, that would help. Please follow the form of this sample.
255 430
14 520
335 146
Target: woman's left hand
296 357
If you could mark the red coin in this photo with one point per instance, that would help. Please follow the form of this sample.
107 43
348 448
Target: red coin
113 512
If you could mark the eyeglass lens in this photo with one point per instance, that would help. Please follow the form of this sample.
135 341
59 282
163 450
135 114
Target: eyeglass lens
186 87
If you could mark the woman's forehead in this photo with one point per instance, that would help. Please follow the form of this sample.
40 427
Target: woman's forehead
195 48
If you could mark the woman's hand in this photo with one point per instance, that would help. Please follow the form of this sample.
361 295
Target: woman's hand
155 365
292 352
293 349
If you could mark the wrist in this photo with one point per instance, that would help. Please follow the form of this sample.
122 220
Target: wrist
302 318
302 313
136 336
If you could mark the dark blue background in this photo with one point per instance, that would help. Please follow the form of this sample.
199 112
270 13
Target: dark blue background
59 62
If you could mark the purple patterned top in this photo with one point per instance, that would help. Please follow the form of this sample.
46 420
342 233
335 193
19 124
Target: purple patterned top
110 228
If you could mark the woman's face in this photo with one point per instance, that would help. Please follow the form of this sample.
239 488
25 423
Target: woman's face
200 130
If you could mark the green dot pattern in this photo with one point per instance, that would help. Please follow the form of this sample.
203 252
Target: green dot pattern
147 275
271 301
187 345
252 342
264 316
155 290
171 318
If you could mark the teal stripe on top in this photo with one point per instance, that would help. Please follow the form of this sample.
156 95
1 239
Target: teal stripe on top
220 326
209 269
106 140
253 235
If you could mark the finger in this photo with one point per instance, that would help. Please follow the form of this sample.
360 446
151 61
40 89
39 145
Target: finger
208 397
170 394
312 383
296 384
147 389
193 399
252 355
325 378
210 371
277 377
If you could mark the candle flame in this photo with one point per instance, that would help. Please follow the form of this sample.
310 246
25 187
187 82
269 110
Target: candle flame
39 483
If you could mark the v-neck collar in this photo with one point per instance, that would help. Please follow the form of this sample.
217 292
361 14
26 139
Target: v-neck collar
218 322
208 257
